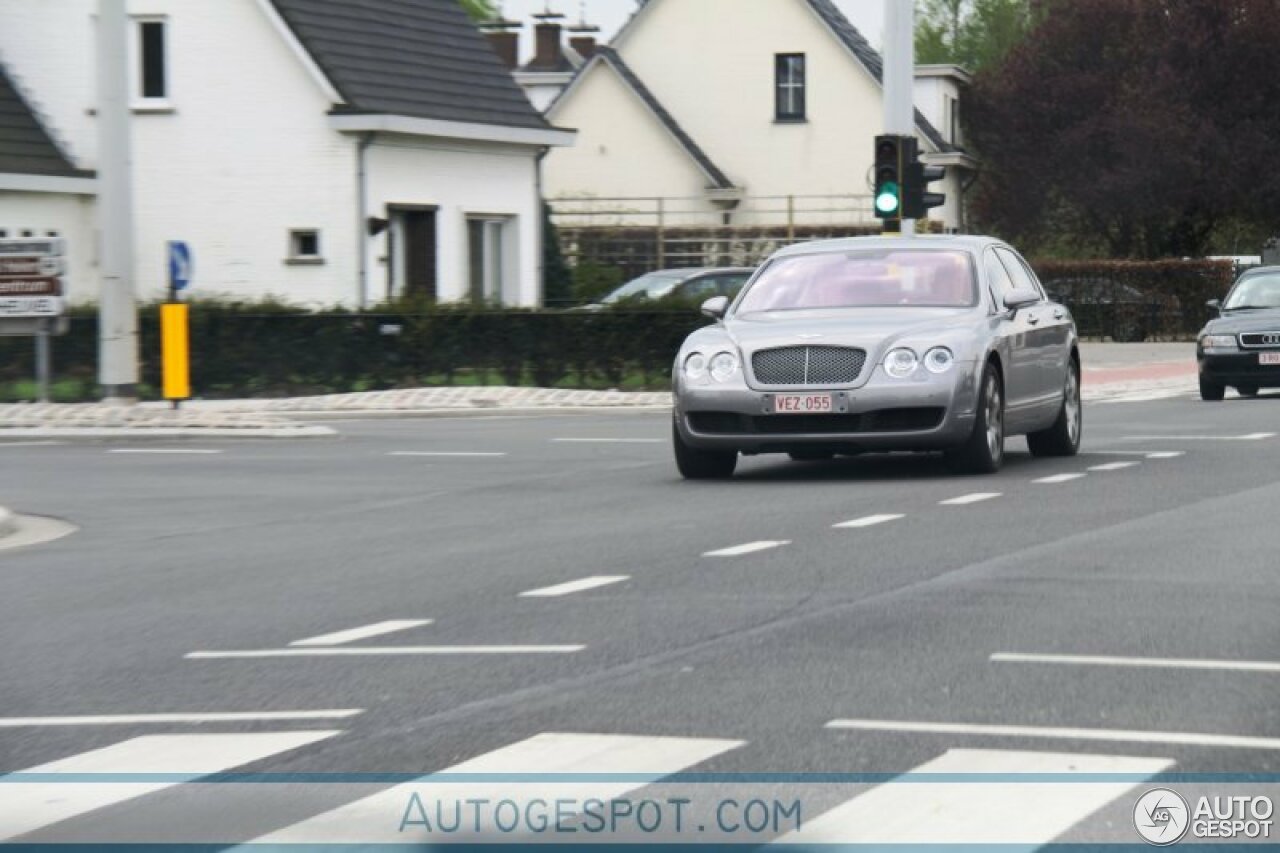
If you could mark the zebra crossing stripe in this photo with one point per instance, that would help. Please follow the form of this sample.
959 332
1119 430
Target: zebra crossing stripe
981 812
28 806
377 819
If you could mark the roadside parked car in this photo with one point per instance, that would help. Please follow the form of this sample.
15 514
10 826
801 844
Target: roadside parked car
1108 309
1241 348
684 285
877 344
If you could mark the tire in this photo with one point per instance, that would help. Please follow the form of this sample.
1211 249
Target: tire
1211 392
1247 390
697 464
811 456
1063 438
983 451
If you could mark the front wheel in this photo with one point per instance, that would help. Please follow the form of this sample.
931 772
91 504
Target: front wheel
1063 438
1211 392
695 464
983 452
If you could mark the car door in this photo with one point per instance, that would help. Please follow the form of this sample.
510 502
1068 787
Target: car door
1050 336
1012 329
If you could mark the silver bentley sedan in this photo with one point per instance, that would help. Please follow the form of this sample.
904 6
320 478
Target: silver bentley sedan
878 344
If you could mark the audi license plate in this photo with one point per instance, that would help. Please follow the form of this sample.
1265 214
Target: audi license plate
803 404
1269 358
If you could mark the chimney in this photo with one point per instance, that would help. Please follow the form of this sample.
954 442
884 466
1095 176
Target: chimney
507 45
585 46
547 54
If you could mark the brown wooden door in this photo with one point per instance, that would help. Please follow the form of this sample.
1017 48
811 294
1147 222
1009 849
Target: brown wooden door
420 253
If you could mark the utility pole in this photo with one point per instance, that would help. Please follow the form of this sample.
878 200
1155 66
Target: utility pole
117 309
899 75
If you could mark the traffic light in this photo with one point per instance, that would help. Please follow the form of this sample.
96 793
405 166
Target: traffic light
888 177
916 199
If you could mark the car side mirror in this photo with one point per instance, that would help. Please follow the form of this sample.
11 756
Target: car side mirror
1215 304
715 307
1016 299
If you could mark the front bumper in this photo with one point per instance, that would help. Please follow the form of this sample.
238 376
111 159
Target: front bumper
924 412
1238 368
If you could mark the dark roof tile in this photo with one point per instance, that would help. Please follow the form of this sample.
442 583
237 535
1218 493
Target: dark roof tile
26 148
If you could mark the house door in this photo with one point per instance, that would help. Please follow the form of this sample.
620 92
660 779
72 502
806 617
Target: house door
418 228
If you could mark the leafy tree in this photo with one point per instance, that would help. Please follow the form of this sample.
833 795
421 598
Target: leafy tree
1138 125
557 278
480 10
970 33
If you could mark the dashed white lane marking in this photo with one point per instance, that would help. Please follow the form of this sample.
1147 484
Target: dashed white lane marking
165 451
597 756
447 454
32 805
965 500
382 651
995 812
1150 454
1151 663
337 638
609 440
177 719
575 586
1109 735
6 444
1059 478
1168 454
869 521
748 548
1115 466
1255 436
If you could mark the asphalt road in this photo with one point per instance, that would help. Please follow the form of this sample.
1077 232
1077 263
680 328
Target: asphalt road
859 650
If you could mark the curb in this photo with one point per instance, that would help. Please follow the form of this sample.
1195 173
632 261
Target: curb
145 433
8 523
513 411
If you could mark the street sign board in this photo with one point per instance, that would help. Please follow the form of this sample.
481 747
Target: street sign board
30 306
31 270
26 266
179 264
31 286
33 246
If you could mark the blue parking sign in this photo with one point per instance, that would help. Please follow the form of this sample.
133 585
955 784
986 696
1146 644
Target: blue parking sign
179 264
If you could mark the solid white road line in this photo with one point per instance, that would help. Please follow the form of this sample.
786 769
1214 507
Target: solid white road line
171 719
869 521
1109 735
165 451
609 440
30 806
433 454
978 812
1115 466
377 819
337 638
4 444
380 651
1151 663
965 500
575 586
748 548
1059 478
1256 436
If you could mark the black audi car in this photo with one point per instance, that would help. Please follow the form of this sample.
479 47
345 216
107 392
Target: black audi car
1241 348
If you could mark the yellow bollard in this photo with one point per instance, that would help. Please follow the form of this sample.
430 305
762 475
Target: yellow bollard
175 351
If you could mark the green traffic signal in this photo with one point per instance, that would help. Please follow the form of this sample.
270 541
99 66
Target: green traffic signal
887 200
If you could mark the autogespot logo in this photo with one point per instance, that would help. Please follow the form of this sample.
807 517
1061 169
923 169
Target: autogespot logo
1161 817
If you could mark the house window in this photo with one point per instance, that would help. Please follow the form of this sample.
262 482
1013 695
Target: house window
304 246
488 258
151 61
789 87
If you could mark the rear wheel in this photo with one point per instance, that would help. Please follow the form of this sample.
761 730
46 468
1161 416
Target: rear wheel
1247 390
1211 391
697 464
983 452
1063 438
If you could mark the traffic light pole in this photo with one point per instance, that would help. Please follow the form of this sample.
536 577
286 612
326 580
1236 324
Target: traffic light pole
899 77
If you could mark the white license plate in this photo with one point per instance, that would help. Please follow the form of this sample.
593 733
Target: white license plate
1269 358
30 306
803 404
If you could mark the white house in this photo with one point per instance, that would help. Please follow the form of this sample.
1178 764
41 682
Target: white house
317 151
744 111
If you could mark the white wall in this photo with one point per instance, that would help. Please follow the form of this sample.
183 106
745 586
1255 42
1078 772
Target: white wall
71 216
461 180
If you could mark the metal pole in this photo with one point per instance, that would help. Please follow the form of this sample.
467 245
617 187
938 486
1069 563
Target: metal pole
44 361
117 311
662 233
899 75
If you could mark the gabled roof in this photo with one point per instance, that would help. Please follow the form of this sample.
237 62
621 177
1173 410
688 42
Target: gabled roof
26 148
608 55
416 58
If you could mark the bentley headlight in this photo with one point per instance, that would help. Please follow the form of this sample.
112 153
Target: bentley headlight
723 366
939 360
1218 342
695 366
900 363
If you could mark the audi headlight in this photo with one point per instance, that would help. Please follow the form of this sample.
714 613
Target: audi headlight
900 363
1218 342
695 366
723 366
939 360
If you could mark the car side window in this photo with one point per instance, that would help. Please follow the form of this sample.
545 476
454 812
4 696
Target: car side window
699 288
729 285
998 280
1018 272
